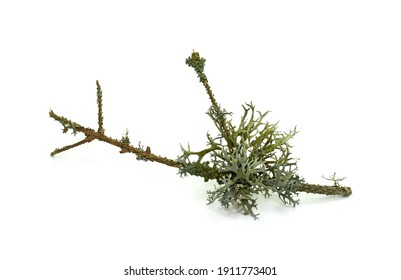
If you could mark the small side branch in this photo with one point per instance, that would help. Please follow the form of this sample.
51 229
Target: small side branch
100 106
57 151
198 63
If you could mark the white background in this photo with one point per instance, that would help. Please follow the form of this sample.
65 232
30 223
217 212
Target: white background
331 68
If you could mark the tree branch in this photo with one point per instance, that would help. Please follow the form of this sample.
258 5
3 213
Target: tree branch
237 169
57 151
92 134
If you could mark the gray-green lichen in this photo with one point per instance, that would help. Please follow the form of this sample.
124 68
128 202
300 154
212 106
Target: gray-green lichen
259 162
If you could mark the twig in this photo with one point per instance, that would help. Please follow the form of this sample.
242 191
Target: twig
327 190
91 134
63 149
99 106
248 167
198 63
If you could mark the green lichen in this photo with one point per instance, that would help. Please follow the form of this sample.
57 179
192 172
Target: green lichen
259 162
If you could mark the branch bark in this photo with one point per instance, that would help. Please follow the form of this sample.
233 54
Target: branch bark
327 190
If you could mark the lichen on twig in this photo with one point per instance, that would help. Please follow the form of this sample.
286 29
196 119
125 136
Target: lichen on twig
250 159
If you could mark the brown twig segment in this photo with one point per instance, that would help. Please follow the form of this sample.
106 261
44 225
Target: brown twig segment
327 190
100 106
63 149
91 134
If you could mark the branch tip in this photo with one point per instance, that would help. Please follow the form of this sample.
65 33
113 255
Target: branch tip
99 107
